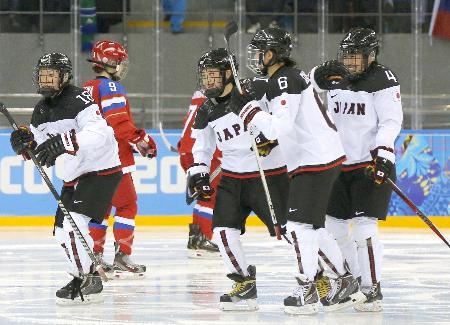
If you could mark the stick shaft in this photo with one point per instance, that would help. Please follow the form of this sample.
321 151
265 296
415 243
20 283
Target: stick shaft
165 140
419 213
52 189
255 150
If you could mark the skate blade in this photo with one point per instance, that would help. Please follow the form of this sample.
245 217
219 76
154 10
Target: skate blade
308 309
89 299
125 275
374 307
202 254
243 305
355 299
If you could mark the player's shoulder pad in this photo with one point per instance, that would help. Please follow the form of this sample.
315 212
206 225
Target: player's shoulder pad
75 99
203 114
110 87
378 78
288 80
39 113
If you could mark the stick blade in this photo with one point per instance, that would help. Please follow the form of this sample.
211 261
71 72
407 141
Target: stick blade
230 29
2 107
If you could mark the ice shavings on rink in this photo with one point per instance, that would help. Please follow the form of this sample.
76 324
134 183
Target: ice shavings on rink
179 290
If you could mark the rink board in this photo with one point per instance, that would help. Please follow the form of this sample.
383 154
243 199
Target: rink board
252 221
423 165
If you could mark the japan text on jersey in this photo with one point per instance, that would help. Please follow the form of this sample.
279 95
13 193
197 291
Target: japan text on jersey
368 113
215 125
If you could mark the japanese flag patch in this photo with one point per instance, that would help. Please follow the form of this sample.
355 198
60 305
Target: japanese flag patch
396 95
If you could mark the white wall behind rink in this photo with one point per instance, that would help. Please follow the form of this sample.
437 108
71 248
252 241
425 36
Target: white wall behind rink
145 177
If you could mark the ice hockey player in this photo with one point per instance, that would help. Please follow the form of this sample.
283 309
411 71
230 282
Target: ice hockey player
67 127
110 64
240 190
200 230
366 105
308 138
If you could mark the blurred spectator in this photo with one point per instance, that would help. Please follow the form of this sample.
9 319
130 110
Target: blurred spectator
306 18
13 5
259 21
397 16
23 23
361 13
174 10
114 16
54 22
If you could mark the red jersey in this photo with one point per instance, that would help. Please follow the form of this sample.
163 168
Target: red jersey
186 142
113 102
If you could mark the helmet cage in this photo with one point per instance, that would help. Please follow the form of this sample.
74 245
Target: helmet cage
255 59
57 62
211 72
211 80
356 65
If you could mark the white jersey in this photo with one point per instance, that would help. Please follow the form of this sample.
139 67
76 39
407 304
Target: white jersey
74 109
215 125
368 114
294 114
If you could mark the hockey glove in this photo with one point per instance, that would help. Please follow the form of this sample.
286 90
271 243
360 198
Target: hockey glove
198 186
144 144
329 74
49 150
382 166
22 140
264 145
243 105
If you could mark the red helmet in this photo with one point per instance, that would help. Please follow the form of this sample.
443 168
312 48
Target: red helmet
109 54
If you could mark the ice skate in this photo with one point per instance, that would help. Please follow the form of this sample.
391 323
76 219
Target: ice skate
199 246
244 293
323 285
81 290
304 299
373 299
125 268
107 268
344 292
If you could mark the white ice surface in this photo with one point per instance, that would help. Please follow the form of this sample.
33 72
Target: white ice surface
179 290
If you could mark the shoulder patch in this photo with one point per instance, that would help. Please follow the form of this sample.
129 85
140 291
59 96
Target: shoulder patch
396 95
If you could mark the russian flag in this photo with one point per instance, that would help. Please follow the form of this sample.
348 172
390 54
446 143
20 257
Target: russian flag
440 19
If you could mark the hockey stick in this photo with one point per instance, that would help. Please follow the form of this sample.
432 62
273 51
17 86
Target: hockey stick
231 29
417 210
191 198
66 213
165 140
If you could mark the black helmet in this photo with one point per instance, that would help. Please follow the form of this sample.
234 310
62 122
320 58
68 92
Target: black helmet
274 39
55 61
214 59
359 40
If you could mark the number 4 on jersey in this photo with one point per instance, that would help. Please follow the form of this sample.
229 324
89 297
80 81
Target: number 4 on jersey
390 75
